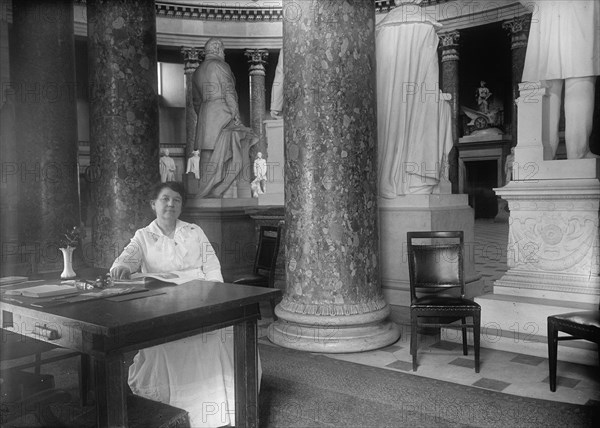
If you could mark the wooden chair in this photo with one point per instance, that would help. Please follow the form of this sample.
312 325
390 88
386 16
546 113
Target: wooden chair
265 262
583 325
15 346
435 270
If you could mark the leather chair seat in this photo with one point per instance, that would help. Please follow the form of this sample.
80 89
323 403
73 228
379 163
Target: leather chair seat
583 318
436 301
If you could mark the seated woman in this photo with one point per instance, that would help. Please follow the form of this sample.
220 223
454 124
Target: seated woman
195 373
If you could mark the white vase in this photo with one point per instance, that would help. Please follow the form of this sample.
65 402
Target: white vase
68 271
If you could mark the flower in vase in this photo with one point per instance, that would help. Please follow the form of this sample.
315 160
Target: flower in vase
71 238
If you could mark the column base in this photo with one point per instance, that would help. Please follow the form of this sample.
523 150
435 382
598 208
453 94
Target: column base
333 334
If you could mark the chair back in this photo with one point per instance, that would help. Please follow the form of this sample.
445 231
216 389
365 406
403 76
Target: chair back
268 249
437 265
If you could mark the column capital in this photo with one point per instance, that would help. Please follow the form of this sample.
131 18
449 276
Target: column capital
192 57
449 45
257 59
518 28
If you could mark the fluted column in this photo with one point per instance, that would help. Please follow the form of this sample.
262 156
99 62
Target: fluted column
450 85
123 120
333 300
518 29
257 59
44 173
192 57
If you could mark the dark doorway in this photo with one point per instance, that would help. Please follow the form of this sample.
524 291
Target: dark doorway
482 177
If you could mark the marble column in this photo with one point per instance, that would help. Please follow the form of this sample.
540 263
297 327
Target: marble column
123 120
518 29
333 300
44 170
257 59
450 85
192 57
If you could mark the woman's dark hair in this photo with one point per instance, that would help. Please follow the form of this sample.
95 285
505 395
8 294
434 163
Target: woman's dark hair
175 186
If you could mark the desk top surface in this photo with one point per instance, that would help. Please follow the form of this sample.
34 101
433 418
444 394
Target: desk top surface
176 303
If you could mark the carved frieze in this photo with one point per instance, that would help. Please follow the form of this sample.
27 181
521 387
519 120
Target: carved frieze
561 241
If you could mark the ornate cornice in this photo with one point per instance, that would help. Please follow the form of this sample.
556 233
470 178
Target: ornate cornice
261 12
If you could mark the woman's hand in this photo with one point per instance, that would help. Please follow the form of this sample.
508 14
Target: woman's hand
120 272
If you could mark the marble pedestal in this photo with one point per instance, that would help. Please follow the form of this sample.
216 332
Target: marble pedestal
553 260
421 212
275 164
230 230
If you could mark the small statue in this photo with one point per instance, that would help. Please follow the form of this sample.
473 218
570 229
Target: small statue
167 167
259 184
482 94
508 166
193 164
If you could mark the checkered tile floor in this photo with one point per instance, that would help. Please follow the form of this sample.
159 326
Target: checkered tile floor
505 372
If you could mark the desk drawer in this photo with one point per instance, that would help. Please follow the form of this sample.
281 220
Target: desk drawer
65 335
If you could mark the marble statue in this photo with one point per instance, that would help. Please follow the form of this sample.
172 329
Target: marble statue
277 89
193 164
259 184
508 166
167 167
564 51
223 140
482 94
413 119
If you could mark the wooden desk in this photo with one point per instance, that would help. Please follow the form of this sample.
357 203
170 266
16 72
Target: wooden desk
105 330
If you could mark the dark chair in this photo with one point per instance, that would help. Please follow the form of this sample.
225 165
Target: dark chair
437 288
265 262
17 347
578 325
25 393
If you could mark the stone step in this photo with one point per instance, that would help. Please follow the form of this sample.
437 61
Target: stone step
519 324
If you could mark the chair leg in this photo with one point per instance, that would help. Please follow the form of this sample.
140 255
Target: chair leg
413 342
552 353
85 368
464 337
476 338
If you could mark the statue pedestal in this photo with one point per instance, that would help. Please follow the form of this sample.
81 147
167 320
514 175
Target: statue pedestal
229 228
553 256
421 212
553 265
275 164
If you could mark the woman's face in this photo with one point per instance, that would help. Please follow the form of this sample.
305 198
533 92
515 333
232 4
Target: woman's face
167 205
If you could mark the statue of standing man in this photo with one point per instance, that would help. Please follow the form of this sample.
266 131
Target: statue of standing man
564 51
223 140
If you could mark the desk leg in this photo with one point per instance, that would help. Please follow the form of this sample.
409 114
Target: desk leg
111 396
246 374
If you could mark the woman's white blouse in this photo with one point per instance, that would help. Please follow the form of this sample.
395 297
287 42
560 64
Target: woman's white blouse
151 251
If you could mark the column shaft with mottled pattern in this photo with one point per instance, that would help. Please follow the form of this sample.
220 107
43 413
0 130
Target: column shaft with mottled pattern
333 300
191 61
123 120
257 59
450 57
518 29
43 81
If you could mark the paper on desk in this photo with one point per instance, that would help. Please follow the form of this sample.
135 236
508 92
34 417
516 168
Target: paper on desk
45 290
11 280
177 277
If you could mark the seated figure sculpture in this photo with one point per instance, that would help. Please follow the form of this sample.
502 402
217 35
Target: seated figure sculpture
413 118
223 140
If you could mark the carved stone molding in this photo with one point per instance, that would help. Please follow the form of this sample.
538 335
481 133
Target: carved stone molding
518 29
554 241
449 45
192 57
257 59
